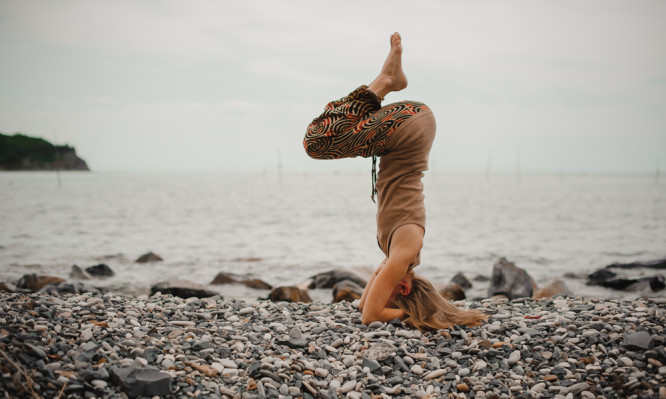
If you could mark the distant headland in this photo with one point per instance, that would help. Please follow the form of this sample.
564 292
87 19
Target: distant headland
21 152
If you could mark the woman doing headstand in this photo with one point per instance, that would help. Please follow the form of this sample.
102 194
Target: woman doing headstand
401 134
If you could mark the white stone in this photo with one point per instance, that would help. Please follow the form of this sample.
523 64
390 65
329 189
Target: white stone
217 367
347 387
416 369
86 335
99 384
514 357
625 362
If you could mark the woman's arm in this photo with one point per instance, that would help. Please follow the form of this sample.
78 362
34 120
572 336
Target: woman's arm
369 284
405 245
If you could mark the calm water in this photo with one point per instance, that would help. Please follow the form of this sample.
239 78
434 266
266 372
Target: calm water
299 225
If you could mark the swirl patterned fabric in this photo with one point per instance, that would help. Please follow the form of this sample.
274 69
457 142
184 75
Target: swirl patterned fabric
356 125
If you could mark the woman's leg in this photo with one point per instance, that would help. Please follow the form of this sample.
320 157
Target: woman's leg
357 125
392 77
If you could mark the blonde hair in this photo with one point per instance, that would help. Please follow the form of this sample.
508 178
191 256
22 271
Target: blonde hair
426 309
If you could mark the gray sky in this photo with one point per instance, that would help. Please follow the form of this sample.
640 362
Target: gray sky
564 86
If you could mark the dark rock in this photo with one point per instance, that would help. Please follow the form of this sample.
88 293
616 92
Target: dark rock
509 280
641 340
100 270
182 289
347 290
462 280
79 274
257 284
654 283
330 278
149 257
223 278
655 264
600 276
136 381
289 294
453 292
35 283
481 278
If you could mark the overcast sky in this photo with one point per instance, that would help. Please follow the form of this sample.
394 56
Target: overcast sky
565 86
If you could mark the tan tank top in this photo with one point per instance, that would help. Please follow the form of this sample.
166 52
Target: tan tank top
399 186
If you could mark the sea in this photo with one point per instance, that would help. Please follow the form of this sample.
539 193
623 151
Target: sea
284 228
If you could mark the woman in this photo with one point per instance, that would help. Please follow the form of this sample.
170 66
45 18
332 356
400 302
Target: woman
401 134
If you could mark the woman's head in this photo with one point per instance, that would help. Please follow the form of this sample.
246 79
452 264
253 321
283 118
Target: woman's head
426 309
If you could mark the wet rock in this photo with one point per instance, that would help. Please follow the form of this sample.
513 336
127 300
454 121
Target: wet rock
289 294
453 292
462 280
346 290
330 278
136 381
35 283
148 257
182 289
509 280
100 270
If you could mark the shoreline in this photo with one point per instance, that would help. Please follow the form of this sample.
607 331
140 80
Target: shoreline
118 346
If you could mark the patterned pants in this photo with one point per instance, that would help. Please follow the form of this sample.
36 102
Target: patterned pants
356 125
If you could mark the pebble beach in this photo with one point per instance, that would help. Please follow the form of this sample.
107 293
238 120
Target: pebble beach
113 346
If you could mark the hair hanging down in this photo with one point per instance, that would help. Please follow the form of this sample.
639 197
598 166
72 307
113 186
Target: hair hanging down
426 309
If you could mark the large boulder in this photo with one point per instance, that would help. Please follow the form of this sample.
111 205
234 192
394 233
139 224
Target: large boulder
509 280
149 257
289 294
182 289
330 278
347 290
35 283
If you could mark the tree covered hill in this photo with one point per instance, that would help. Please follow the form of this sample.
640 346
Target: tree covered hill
21 152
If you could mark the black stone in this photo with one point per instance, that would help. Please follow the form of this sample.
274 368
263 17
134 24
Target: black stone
137 381
461 280
100 270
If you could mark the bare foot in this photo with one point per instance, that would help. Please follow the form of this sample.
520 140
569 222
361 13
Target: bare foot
392 77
